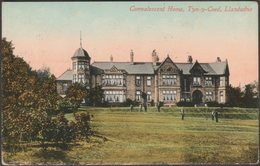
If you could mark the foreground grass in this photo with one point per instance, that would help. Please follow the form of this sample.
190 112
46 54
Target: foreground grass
157 138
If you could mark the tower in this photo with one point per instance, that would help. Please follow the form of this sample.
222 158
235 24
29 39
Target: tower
81 66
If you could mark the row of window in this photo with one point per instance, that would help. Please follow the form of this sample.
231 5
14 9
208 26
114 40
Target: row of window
80 65
167 95
80 78
167 80
114 96
208 81
138 95
112 76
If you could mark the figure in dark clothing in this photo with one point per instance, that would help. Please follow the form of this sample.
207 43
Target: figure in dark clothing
216 116
182 113
145 107
158 106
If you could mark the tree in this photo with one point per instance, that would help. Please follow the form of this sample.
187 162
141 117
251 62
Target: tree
22 117
76 93
234 96
249 97
30 101
96 95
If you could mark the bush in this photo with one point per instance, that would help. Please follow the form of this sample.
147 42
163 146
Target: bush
129 102
185 104
59 129
66 106
152 103
212 104
83 129
161 103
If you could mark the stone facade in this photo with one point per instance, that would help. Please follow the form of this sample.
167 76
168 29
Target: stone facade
166 81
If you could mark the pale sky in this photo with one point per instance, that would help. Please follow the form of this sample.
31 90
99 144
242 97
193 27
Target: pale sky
48 33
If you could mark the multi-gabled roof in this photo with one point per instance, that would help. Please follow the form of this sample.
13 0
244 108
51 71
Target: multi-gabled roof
215 68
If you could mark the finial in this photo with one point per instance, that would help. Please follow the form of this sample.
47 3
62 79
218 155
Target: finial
80 40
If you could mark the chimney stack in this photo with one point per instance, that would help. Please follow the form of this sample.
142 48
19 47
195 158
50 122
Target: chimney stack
155 57
111 58
190 59
132 57
218 59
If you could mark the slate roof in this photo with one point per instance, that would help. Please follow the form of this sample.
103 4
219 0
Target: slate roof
67 75
136 68
80 52
215 68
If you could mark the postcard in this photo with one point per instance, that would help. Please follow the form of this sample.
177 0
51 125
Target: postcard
115 83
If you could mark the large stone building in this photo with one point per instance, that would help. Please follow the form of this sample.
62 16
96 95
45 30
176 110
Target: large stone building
166 81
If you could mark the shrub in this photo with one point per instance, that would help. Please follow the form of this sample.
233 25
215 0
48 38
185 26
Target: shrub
83 130
212 104
129 102
152 103
66 106
185 104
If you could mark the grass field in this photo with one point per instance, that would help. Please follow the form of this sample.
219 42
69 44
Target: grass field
159 138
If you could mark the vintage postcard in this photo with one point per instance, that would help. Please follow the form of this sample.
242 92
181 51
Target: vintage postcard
115 83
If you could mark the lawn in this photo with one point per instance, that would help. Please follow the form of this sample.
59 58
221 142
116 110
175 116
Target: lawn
158 138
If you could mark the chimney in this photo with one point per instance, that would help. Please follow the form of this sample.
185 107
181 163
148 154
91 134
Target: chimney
111 58
132 57
190 59
155 58
218 59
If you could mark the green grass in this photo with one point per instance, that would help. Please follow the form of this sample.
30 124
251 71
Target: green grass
158 138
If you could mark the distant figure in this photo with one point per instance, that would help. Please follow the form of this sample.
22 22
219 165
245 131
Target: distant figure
182 113
216 116
145 107
212 115
141 107
131 107
158 106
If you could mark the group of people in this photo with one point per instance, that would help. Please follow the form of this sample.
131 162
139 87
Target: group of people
141 106
214 114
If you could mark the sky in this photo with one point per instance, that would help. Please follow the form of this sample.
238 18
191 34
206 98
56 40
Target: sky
46 34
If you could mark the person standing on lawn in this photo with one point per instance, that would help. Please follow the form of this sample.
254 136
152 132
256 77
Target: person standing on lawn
182 113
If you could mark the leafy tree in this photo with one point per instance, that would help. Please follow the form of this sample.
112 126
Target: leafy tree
76 93
234 95
249 97
30 101
21 115
95 95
